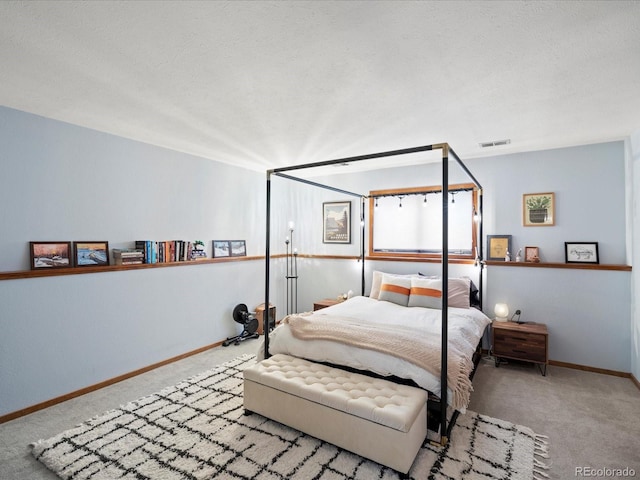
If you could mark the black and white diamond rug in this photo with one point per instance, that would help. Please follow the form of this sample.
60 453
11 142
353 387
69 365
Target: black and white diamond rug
197 430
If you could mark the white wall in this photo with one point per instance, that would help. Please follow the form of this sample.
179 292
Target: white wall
63 182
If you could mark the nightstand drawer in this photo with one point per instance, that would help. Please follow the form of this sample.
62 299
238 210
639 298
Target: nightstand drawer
526 342
525 346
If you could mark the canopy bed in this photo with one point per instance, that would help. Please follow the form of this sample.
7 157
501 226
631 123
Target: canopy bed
458 331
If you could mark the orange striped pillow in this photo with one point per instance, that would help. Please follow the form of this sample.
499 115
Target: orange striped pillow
395 289
425 292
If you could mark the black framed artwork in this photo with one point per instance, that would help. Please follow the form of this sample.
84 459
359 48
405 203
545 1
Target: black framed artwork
498 246
581 252
91 254
50 255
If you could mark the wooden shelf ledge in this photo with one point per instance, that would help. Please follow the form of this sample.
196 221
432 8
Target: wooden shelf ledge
57 272
574 266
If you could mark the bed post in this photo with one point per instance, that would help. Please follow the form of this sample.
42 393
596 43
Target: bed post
481 254
267 256
362 243
445 295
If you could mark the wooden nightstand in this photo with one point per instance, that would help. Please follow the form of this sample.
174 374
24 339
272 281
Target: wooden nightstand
260 317
327 302
528 342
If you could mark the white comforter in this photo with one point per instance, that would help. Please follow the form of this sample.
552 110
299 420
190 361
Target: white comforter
466 327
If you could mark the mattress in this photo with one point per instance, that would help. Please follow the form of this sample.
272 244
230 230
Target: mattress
465 329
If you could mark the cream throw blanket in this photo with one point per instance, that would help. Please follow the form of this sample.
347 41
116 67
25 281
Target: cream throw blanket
410 344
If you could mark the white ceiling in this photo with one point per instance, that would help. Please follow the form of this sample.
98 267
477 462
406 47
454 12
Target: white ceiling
265 84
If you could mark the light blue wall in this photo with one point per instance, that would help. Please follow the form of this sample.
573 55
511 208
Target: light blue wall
62 182
633 152
588 312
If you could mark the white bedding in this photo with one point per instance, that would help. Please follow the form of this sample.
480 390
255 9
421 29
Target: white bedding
466 326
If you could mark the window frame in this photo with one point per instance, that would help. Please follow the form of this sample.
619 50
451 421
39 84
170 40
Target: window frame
397 192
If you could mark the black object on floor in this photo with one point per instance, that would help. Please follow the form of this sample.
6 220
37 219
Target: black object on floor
248 320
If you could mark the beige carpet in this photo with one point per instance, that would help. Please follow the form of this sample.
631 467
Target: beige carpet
197 429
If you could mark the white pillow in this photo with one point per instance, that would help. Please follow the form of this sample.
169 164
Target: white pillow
395 289
426 292
459 292
376 282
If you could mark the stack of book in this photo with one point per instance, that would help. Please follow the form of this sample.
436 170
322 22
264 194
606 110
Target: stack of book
127 256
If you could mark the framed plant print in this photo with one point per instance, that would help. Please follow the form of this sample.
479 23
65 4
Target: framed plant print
91 254
238 248
498 246
221 248
581 252
538 209
50 255
336 222
532 254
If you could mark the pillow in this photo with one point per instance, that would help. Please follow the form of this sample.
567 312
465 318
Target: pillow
426 292
459 289
376 282
474 295
395 289
459 292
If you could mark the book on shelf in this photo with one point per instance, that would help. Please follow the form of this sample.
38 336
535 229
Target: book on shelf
149 249
168 251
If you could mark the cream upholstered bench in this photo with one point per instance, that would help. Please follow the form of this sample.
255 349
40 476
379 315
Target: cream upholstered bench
374 418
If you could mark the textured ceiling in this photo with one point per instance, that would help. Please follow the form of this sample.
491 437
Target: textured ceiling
268 84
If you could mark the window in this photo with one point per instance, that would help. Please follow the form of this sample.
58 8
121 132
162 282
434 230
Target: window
408 222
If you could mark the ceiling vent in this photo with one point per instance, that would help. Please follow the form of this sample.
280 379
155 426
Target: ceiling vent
495 143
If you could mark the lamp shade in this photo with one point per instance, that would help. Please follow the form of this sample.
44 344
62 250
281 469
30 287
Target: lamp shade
502 312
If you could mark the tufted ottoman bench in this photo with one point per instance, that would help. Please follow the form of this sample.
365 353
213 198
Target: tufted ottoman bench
374 418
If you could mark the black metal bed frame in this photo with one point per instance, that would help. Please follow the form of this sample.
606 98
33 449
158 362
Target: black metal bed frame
445 426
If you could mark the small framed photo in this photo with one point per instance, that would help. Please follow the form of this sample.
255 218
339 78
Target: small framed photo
532 254
238 248
91 254
538 209
336 222
221 248
50 255
581 252
498 246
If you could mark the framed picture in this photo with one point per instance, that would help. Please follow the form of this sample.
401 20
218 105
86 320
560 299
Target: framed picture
531 254
91 254
50 255
581 252
221 248
238 248
498 246
336 222
538 209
